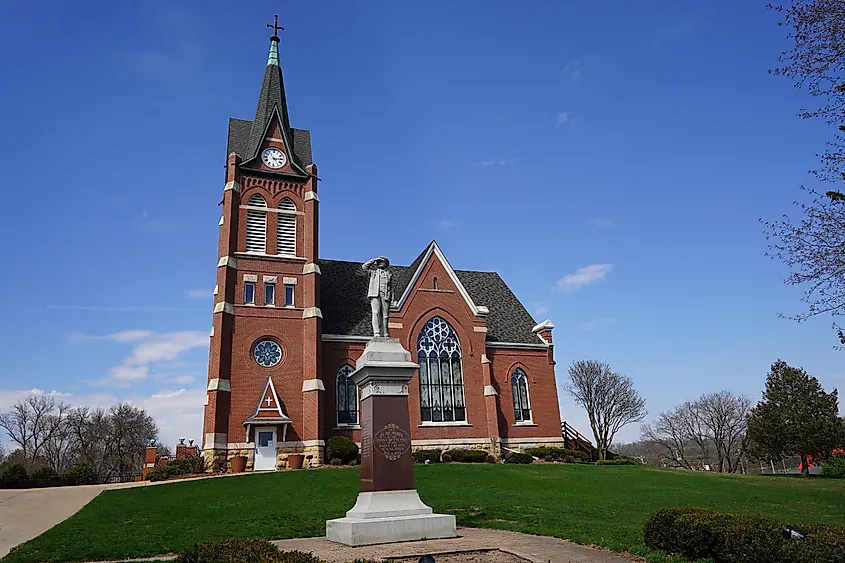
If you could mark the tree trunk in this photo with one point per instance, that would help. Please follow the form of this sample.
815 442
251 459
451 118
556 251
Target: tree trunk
602 453
805 469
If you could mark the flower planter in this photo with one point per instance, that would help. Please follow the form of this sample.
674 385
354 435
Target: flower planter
295 461
238 464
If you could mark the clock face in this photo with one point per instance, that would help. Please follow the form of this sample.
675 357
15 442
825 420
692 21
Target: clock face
273 157
267 353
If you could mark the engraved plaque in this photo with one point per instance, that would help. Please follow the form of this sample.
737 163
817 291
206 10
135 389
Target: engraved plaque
392 442
366 436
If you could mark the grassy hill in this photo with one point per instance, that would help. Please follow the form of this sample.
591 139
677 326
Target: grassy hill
602 505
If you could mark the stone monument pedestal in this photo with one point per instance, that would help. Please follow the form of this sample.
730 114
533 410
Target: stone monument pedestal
388 508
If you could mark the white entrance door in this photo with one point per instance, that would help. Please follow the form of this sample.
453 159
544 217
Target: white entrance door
265 449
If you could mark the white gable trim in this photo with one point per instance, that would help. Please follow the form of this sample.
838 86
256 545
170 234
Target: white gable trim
434 249
278 407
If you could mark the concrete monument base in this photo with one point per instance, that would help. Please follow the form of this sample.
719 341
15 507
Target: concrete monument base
388 508
389 516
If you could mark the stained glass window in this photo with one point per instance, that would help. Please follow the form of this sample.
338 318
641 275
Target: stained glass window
441 376
519 386
347 397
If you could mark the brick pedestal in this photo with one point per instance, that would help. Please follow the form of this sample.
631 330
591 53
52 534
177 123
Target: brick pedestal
388 508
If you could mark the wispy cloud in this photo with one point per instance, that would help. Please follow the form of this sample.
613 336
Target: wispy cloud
540 310
151 351
573 69
200 293
602 322
672 33
585 276
562 118
601 223
497 161
447 223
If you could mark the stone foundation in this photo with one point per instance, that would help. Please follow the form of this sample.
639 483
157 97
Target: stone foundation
282 454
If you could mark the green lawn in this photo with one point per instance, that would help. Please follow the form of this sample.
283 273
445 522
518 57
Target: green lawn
602 505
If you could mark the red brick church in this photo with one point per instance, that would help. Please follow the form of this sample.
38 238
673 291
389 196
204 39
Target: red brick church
289 325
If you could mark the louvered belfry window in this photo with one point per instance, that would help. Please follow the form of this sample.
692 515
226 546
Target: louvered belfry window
286 228
256 226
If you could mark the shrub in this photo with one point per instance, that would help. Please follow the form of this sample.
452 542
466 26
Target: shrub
81 474
43 474
517 457
159 474
14 471
699 533
242 550
341 447
490 459
446 458
468 456
835 466
557 454
618 461
336 461
820 543
431 456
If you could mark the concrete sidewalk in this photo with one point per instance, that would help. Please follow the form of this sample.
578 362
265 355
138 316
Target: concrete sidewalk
537 549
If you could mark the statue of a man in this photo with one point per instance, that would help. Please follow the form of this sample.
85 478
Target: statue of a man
380 292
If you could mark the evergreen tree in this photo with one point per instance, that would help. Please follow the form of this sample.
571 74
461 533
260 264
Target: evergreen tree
796 417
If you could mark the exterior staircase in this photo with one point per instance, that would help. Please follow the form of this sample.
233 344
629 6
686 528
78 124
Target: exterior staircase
574 440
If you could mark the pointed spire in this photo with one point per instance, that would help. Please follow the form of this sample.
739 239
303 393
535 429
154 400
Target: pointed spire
271 100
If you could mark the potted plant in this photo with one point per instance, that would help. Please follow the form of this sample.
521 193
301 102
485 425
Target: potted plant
295 461
238 463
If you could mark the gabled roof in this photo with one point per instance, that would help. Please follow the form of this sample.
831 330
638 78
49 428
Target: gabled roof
346 311
268 410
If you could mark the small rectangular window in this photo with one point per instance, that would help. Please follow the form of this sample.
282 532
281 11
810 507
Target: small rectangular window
289 295
249 292
269 293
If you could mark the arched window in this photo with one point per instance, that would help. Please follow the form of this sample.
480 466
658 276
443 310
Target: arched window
347 397
256 225
519 386
286 228
441 377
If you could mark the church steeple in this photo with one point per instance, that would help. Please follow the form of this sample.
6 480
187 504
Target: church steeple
271 101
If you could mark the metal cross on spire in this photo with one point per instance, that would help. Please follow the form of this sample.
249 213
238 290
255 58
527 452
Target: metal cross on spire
276 27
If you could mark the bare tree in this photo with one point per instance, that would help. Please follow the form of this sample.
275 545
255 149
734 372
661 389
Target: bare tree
609 398
724 416
32 422
708 431
813 246
131 430
671 433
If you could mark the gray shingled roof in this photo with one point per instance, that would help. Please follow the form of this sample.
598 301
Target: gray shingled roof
343 302
245 137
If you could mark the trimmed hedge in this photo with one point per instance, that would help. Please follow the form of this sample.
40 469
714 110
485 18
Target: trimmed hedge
342 448
699 533
467 456
431 456
518 458
557 454
618 461
242 550
194 465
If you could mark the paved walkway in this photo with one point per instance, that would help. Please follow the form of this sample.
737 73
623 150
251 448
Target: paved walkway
538 549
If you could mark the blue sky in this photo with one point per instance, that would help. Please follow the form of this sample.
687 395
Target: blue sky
610 160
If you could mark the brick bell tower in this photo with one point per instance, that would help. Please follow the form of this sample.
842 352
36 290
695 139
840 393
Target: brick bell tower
264 389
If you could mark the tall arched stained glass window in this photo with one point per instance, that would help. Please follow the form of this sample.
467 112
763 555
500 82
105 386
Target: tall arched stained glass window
441 376
519 386
347 397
